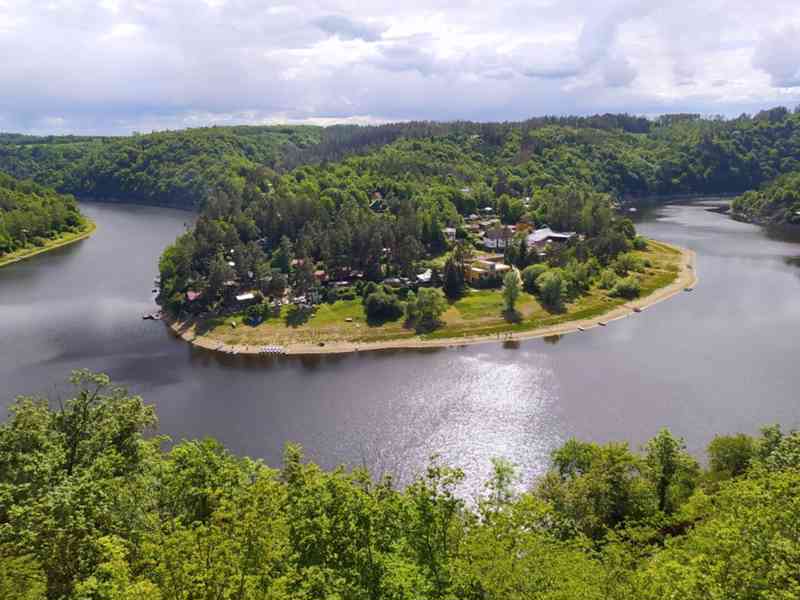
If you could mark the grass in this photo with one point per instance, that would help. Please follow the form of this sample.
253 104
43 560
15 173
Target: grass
479 313
58 242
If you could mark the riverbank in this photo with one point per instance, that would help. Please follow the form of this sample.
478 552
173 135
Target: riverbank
59 242
593 314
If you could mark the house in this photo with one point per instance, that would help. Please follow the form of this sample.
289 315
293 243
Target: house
473 217
540 238
425 277
320 276
498 237
193 296
482 270
450 233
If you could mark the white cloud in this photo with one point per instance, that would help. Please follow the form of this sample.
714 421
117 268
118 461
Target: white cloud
120 65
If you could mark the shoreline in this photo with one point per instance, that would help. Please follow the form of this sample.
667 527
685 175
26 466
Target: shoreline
91 228
687 278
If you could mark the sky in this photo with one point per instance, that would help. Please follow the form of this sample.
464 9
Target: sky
117 66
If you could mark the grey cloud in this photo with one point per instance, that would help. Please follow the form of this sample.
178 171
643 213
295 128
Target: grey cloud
349 29
619 73
74 65
778 54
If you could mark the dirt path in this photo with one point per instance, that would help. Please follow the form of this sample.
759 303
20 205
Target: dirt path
687 279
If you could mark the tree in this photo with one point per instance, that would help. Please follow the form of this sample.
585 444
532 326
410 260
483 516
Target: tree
530 276
453 285
303 280
425 309
277 284
282 259
730 455
671 470
381 306
511 291
218 273
551 289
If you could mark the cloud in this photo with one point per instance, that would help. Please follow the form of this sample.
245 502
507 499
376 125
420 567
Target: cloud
349 29
113 66
778 54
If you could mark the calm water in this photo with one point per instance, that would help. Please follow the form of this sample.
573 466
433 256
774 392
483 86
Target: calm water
720 359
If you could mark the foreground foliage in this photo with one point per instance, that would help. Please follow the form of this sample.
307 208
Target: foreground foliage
92 508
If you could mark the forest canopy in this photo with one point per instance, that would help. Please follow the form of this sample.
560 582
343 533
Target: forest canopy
30 214
94 507
624 155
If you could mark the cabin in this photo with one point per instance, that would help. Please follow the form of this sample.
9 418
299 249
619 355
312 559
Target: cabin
483 270
498 238
541 238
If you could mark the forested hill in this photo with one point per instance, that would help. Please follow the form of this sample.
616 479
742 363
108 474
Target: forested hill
172 168
31 214
777 202
94 508
627 156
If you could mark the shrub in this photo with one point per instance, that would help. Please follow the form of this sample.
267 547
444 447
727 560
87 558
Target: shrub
530 275
639 243
626 288
552 288
625 263
608 279
382 306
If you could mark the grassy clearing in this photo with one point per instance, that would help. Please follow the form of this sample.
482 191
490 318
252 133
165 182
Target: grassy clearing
62 240
479 313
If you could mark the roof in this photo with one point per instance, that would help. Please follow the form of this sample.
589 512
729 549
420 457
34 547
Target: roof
245 297
425 276
192 295
544 234
499 233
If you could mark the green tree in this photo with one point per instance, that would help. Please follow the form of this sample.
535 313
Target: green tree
731 455
671 470
511 291
453 284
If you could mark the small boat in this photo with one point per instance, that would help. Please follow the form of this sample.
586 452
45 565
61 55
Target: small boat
581 329
602 324
637 309
688 289
156 316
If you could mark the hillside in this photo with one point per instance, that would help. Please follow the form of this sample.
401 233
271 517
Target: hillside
93 507
32 217
172 168
620 154
778 202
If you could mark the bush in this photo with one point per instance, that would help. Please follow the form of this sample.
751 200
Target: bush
639 243
530 275
608 279
625 263
552 289
626 288
382 306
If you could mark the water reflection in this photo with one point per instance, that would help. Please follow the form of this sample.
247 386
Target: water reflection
719 360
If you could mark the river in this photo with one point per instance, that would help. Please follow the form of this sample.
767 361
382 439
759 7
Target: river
721 359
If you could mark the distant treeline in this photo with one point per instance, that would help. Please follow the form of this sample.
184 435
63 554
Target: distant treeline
93 508
31 214
624 155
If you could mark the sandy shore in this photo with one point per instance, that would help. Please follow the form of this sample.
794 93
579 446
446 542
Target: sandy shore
687 279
